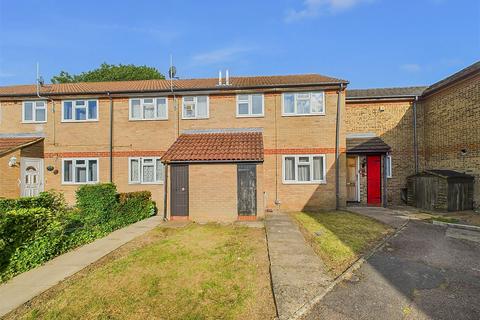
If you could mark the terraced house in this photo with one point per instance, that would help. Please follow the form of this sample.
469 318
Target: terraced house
233 148
227 149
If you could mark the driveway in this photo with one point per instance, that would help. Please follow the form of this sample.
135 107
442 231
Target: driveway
422 273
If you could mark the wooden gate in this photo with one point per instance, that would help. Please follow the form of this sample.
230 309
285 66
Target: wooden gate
247 189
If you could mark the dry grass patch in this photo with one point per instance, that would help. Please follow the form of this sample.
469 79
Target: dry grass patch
340 238
196 272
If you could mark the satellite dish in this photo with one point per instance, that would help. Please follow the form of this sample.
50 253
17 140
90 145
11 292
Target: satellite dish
41 81
172 72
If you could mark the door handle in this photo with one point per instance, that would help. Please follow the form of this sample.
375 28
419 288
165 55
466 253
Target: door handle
183 189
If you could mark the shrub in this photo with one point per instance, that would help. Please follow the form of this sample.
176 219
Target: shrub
134 206
97 202
125 196
54 201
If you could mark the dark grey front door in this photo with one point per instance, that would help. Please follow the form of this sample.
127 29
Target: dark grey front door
247 189
179 190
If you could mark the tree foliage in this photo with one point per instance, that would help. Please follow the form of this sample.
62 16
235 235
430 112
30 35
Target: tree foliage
110 72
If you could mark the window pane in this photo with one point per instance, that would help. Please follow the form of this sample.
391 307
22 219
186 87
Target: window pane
317 168
148 173
160 169
202 107
257 104
303 106
92 170
304 173
304 159
135 170
80 110
136 111
92 109
188 110
162 108
28 111
243 97
288 103
289 168
243 108
67 171
67 110
148 110
80 174
40 114
317 102
40 104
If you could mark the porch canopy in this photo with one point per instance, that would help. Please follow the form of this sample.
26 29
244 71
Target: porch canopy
216 145
11 143
366 145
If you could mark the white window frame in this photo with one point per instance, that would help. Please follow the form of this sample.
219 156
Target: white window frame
155 118
73 171
295 114
34 107
87 119
140 181
297 156
250 106
388 165
196 109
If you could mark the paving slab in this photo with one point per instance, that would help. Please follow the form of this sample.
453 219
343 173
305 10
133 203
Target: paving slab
470 235
27 285
298 274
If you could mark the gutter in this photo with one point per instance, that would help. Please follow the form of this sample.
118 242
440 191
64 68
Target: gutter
337 149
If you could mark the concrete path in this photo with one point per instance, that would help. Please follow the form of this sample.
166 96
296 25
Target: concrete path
27 285
424 272
393 217
298 274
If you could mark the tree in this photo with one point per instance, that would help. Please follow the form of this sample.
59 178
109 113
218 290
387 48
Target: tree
110 72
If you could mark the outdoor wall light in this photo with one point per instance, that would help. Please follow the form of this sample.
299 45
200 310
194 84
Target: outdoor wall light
463 152
50 168
12 162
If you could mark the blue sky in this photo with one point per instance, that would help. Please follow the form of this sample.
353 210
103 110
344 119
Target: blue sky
371 43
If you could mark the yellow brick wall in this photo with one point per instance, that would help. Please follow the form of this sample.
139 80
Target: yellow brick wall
9 176
393 122
451 123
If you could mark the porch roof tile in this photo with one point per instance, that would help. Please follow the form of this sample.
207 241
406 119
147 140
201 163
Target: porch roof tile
10 144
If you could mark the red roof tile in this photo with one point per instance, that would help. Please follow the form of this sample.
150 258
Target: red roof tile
164 85
225 146
10 144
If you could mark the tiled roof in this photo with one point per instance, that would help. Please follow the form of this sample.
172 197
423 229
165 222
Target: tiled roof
221 146
385 92
10 144
474 68
164 85
367 145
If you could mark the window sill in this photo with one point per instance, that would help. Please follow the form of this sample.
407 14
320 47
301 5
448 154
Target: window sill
250 116
303 115
304 182
79 121
158 119
146 183
195 118
33 122
78 183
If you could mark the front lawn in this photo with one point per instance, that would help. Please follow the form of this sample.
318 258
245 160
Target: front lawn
196 272
340 238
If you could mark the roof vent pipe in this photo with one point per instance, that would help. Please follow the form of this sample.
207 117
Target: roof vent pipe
227 78
219 77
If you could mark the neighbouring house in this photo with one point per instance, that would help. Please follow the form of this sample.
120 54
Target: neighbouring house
126 131
398 132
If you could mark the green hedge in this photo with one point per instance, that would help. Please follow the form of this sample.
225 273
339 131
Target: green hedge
34 230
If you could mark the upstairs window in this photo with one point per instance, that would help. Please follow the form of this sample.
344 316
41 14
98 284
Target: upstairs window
304 169
145 171
250 105
303 103
80 171
195 107
148 109
34 111
80 110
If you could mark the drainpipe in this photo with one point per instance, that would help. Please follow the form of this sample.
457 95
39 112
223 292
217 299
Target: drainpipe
53 107
111 137
165 187
337 149
415 139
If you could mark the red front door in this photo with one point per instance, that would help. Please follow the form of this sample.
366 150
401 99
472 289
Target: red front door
374 181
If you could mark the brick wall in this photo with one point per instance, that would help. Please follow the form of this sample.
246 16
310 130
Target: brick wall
451 120
9 176
393 122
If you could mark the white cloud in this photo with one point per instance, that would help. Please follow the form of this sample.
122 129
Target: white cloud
411 67
220 55
313 8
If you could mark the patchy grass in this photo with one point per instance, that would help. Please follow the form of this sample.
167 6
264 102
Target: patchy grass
443 219
340 237
462 217
196 272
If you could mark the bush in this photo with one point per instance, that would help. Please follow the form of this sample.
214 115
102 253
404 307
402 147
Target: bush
97 202
54 201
